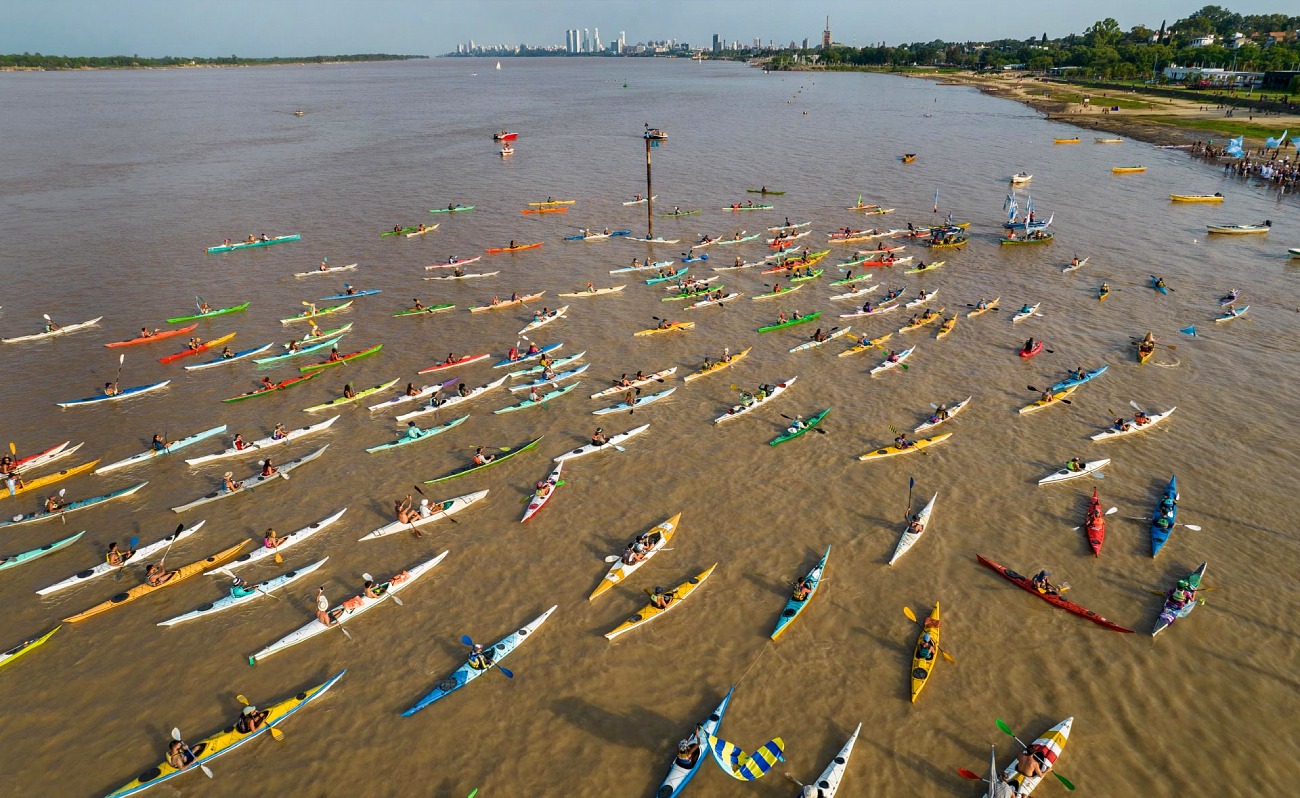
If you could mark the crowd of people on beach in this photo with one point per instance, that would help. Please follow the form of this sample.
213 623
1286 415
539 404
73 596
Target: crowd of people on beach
1269 165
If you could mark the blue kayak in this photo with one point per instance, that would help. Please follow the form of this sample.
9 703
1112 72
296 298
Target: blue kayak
695 258
1159 530
678 775
125 393
306 350
1073 381
335 297
524 358
1156 284
243 353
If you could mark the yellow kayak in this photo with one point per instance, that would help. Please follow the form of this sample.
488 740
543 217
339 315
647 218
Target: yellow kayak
945 328
875 342
180 575
659 538
890 451
1039 404
649 612
719 366
1066 141
673 327
1123 170
1196 197
989 306
921 667
17 651
924 321
50 479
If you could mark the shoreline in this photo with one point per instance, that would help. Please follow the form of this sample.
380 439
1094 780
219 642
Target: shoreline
308 61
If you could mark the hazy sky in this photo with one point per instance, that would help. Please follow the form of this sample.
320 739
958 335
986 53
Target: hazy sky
309 27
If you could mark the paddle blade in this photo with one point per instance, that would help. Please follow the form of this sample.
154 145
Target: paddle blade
1192 527
1003 727
277 734
466 640
506 672
176 732
1063 780
911 616
241 699
398 601
131 543
966 774
207 771
947 656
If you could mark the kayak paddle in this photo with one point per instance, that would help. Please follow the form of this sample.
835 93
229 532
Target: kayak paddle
276 733
176 735
1111 511
912 617
814 429
911 483
1003 726
504 671
1035 390
130 546
370 578
449 518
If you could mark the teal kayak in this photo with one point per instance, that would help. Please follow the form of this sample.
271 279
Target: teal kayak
809 424
472 467
168 448
252 244
546 397
210 313
1164 517
679 775
49 548
452 210
1070 382
667 277
80 504
424 433
793 607
306 350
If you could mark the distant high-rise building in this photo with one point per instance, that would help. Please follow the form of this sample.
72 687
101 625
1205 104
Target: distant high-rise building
805 42
595 40
758 42
568 40
717 43
622 40
586 41
826 34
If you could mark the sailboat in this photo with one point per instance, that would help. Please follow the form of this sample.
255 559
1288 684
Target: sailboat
498 66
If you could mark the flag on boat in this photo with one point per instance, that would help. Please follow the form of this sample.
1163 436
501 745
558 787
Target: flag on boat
742 766
936 200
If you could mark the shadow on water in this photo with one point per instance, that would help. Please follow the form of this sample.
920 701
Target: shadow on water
628 727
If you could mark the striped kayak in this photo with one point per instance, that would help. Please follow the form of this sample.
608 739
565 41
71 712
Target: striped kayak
831 337
525 357
353 295
679 775
1026 584
921 667
1070 382
862 347
256 447
357 355
158 335
1065 474
1133 428
291 539
649 612
1049 747
64 330
307 314
14 560
539 500
254 244
1160 532
990 305
17 651
139 555
791 432
658 537
887 364
251 482
345 613
437 512
210 313
558 378
405 438
179 575
909 538
739 410
70 507
343 400
191 352
426 311
718 366
49 479
555 364
254 592
221 361
1039 404
610 443
672 327
1171 612
794 607
791 322
500 458
467 673
455 361
637 402
828 783
306 350
328 270
453 400
171 446
935 421
890 451
658 376
226 740
125 393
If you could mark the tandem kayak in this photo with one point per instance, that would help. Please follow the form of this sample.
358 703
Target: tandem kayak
658 376
656 539
500 458
922 666
890 451
506 303
343 400
525 357
680 775
14 560
541 321
64 330
73 506
254 244
1048 748
279 386
910 535
1172 610
435 404
196 350
307 314
406 438
125 393
210 313
259 447
158 335
27 645
129 558
540 499
649 612
1095 524
555 364
437 512
467 673
718 366
222 360
792 432
1026 584
357 355
794 607
1164 517
791 322
168 448
252 481
247 593
935 420
610 443
1131 428
48 479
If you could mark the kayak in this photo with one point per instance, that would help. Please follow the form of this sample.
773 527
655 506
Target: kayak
419 232
703 290
662 264
357 355
520 248
610 443
353 295
658 537
125 393
928 318
649 612
1033 350
253 244
695 258
1075 266
1231 314
452 400
1039 404
740 240
642 201
857 292
692 285
157 336
921 666
887 364
507 303
452 210
531 210
179 575
291 539
952 411
524 357
546 397
251 481
666 277
776 293
788 435
828 783
399 231
945 328
658 376
1159 533
139 555
554 315
1049 746
210 313
791 322
538 501
170 447
345 613
890 451
679 775
1073 381
595 291
201 348
14 560
322 312
673 327
254 591
1171 611
737 411
861 347
460 361
1102 293
927 268
919 301
1196 197
80 504
17 651
343 400
555 364
1096 528
240 355
423 393
749 207
258 446
813 275
49 479
552 202
48 456
226 740
329 270
1023 314
879 310
437 511
1041 239
453 262
64 330
990 305
560 377
1025 583
598 236
794 607
467 673
405 438
497 459
655 240
1155 418
1159 286
680 213
909 538
289 383
718 366
637 402
1065 474
306 350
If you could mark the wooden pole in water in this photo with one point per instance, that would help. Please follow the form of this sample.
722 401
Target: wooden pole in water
649 205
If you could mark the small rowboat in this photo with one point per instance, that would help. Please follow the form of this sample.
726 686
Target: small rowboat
1039 404
425 311
179 575
1075 266
637 402
543 210
1239 229
253 244
831 337
930 317
658 538
157 336
542 321
862 347
736 411
168 448
41 515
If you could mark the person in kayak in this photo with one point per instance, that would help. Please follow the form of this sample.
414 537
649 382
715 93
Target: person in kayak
279 433
180 755
480 659
272 539
533 348
1029 346
893 357
1079 374
796 426
1040 583
1182 595
158 444
1122 425
926 648
413 431
226 353
663 324
157 575
820 337
902 442
688 751
323 614
195 344
251 719
983 304
349 392
110 389
543 489
1031 764
268 469
1141 418
921 295
1159 283
1075 464
334 356
115 558
803 588
630 397
402 510
1026 309
228 483
370 590
483 459
598 437
915 321
660 598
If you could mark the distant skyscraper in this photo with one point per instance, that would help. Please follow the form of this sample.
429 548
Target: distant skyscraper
586 41
595 40
622 40
758 42
568 40
717 43
805 42
826 34
576 40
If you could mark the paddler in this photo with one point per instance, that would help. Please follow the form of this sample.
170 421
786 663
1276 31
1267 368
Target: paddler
819 336
1031 764
334 357
902 442
348 289
204 307
982 304
325 264
349 392
483 459
533 348
420 228
115 558
53 502
803 588
925 649
268 469
663 324
157 575
1182 594
251 718
661 599
272 539
195 344
866 307
402 510
591 287
688 751
279 433
543 489
940 414
110 389
726 354
480 659
226 354
1122 425
179 754
413 431
1141 418
1040 583
598 437
892 357
1028 347
397 228
1075 464
145 332
323 614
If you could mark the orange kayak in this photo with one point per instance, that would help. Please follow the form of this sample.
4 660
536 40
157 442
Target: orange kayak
158 336
496 250
545 210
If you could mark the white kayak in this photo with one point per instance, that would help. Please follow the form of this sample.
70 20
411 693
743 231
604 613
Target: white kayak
291 539
48 456
739 410
656 240
857 292
463 276
740 240
141 555
887 364
71 328
1066 474
831 337
437 511
781 227
423 393
1024 314
1076 266
556 314
873 312
910 537
537 502
692 285
637 402
252 482
658 376
916 303
828 783
329 270
260 448
1133 428
611 443
556 364
345 614
168 449
595 291
454 399
704 303
647 267
559 377
253 592
454 262
952 411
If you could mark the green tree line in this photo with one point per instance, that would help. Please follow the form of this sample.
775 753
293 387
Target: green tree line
39 61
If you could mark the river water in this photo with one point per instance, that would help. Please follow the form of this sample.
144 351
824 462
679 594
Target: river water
114 182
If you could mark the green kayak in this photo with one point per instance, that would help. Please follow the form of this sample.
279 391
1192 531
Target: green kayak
807 425
218 312
791 322
472 467
425 312
403 231
452 210
374 350
810 276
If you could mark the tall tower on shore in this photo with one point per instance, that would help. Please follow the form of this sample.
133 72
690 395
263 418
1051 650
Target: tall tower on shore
826 34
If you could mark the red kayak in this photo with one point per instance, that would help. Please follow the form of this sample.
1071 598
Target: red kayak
195 351
158 336
1038 347
464 361
1096 527
1026 583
